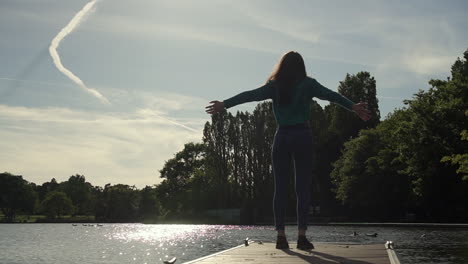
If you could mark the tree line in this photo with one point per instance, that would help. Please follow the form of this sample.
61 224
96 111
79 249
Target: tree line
75 197
412 164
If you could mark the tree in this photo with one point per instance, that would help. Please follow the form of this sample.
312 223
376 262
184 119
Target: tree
57 204
180 168
367 174
119 203
79 192
342 125
47 187
216 140
149 204
322 194
436 119
178 172
16 194
459 76
358 88
460 160
238 159
417 141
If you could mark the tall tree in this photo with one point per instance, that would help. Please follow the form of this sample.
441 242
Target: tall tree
342 126
321 194
261 136
149 207
215 137
16 194
360 87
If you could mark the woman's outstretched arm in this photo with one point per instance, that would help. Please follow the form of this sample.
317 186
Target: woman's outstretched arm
262 93
324 93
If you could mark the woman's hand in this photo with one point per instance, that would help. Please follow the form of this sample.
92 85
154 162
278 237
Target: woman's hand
361 110
215 107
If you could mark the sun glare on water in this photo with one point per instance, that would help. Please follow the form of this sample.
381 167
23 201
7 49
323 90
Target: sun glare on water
156 234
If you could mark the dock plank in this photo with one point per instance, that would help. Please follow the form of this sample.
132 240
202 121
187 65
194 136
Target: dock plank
324 253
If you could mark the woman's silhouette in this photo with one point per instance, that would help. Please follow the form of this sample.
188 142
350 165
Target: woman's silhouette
291 91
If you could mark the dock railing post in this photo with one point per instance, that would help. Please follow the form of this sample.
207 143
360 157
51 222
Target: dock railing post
391 253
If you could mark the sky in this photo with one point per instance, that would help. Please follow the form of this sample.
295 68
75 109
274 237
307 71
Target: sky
111 89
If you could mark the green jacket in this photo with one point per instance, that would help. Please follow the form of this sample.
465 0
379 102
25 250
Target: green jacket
298 111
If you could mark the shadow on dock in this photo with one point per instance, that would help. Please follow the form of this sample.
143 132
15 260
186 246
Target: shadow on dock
322 258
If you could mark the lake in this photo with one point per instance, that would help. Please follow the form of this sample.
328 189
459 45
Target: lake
139 243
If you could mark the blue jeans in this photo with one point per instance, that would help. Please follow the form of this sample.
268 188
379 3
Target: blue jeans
292 144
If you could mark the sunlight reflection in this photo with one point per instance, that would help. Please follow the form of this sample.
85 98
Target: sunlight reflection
168 235
140 242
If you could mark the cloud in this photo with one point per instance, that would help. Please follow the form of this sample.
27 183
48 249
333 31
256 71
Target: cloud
237 35
428 63
295 27
130 148
372 35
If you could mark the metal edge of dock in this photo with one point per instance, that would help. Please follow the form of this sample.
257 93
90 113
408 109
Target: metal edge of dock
389 247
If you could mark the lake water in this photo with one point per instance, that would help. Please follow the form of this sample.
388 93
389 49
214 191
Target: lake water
138 243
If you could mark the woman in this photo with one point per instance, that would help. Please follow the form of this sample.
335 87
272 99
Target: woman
291 91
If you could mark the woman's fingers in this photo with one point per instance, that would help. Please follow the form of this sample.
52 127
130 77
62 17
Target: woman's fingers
361 110
365 114
215 107
209 109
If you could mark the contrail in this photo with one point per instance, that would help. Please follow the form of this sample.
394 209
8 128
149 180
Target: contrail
178 124
146 112
56 58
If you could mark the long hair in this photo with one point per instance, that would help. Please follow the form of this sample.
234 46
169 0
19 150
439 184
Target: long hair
288 72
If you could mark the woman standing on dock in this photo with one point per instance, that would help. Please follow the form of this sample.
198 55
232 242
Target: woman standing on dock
291 91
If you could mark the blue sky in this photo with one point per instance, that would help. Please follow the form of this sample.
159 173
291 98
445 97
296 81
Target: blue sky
159 62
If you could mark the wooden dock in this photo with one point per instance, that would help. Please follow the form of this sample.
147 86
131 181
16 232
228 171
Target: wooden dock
324 253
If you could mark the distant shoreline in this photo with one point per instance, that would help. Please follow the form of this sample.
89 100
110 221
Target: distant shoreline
447 225
355 224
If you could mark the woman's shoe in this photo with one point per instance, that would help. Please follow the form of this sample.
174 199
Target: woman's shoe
281 242
303 243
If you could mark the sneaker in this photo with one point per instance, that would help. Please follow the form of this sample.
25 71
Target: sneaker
281 242
303 243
